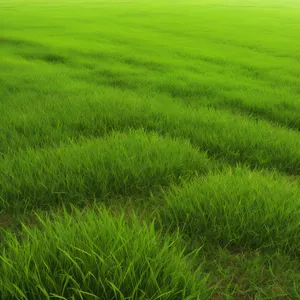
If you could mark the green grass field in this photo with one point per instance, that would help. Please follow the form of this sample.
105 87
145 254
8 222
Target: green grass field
149 150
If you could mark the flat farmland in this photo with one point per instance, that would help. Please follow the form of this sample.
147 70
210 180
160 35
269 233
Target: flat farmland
149 149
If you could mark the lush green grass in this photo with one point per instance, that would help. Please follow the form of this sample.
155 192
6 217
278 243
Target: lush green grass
172 127
96 256
117 164
239 208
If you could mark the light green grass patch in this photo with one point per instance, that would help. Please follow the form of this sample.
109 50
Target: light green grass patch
116 100
96 256
122 163
239 209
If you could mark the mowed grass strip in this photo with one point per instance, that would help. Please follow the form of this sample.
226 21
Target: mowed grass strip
225 136
128 163
96 256
238 209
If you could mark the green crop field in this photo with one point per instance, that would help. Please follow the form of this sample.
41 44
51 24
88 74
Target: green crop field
149 149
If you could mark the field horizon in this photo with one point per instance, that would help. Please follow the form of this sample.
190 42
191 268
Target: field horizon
149 149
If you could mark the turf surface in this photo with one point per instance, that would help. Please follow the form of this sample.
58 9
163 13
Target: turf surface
149 149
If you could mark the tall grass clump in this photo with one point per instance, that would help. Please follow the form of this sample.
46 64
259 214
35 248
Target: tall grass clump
128 163
238 208
95 256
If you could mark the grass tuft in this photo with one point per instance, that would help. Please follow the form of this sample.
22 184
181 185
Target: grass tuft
96 256
122 163
238 209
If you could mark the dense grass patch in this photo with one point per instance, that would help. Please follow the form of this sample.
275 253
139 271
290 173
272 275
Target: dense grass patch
183 110
229 137
126 163
96 256
238 208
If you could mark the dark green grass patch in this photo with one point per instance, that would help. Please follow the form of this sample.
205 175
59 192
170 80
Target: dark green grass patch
251 274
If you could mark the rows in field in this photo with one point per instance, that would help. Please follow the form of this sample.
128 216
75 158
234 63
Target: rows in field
136 163
258 80
90 103
163 130
49 121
